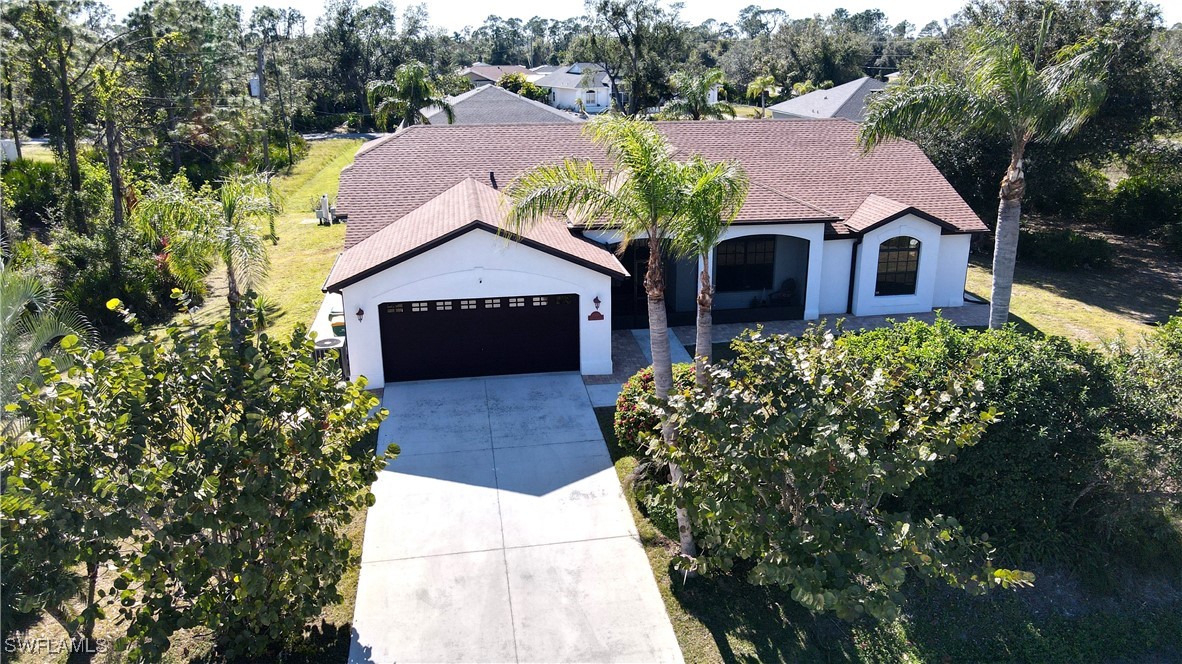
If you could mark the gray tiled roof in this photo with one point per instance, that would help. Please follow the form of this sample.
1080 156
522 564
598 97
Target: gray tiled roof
489 104
562 78
847 100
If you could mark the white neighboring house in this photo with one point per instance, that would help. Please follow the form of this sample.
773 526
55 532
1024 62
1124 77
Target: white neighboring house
847 100
581 81
432 287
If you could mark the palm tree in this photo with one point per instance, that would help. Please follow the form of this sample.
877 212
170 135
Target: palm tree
32 321
1003 92
204 227
405 97
643 196
760 87
693 96
714 195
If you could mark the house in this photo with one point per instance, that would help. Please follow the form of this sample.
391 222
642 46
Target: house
490 104
432 286
480 74
847 100
582 81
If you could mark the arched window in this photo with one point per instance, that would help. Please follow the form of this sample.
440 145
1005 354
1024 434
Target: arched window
898 265
590 98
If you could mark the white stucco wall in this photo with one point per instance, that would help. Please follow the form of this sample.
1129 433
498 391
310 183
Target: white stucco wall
934 268
951 271
477 264
835 277
564 98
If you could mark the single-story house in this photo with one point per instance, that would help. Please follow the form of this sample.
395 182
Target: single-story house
480 74
432 286
489 104
847 100
581 81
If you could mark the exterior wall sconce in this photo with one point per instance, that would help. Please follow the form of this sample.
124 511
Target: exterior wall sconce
596 315
597 302
360 313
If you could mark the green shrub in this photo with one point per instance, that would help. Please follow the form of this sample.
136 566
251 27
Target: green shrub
632 422
83 270
1143 202
1151 195
1065 250
1021 483
29 190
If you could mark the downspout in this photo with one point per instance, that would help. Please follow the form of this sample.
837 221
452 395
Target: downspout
849 306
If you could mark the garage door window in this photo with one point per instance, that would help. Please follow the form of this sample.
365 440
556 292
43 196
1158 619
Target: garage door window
443 305
418 306
517 302
540 301
492 304
467 304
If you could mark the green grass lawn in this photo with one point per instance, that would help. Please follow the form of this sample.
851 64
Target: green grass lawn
37 152
725 619
306 251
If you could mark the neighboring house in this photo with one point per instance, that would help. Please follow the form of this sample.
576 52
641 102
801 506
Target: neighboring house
432 288
581 81
481 74
490 104
847 100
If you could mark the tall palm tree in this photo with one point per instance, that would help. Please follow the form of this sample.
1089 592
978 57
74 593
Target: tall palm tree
32 321
1003 92
643 196
760 88
693 96
405 97
202 228
715 192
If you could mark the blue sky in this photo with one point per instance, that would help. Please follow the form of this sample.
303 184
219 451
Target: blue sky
456 14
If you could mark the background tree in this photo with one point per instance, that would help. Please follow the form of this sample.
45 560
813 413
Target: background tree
693 96
406 97
1008 93
759 89
517 83
63 40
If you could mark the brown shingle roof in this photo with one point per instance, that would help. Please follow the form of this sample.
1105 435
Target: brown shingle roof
800 170
466 206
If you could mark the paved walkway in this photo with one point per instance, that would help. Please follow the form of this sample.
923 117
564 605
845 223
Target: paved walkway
501 534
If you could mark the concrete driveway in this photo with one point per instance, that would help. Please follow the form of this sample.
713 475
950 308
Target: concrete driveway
501 534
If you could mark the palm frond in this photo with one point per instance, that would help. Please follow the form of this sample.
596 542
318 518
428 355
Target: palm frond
575 189
901 111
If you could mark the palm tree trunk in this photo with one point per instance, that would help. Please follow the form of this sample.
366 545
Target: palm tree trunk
1005 247
233 298
703 340
658 328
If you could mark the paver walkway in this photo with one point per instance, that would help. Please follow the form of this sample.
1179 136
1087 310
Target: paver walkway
501 534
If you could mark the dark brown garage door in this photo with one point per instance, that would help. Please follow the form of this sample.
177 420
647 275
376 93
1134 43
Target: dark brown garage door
480 337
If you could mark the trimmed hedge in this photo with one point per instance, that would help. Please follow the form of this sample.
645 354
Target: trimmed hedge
632 424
